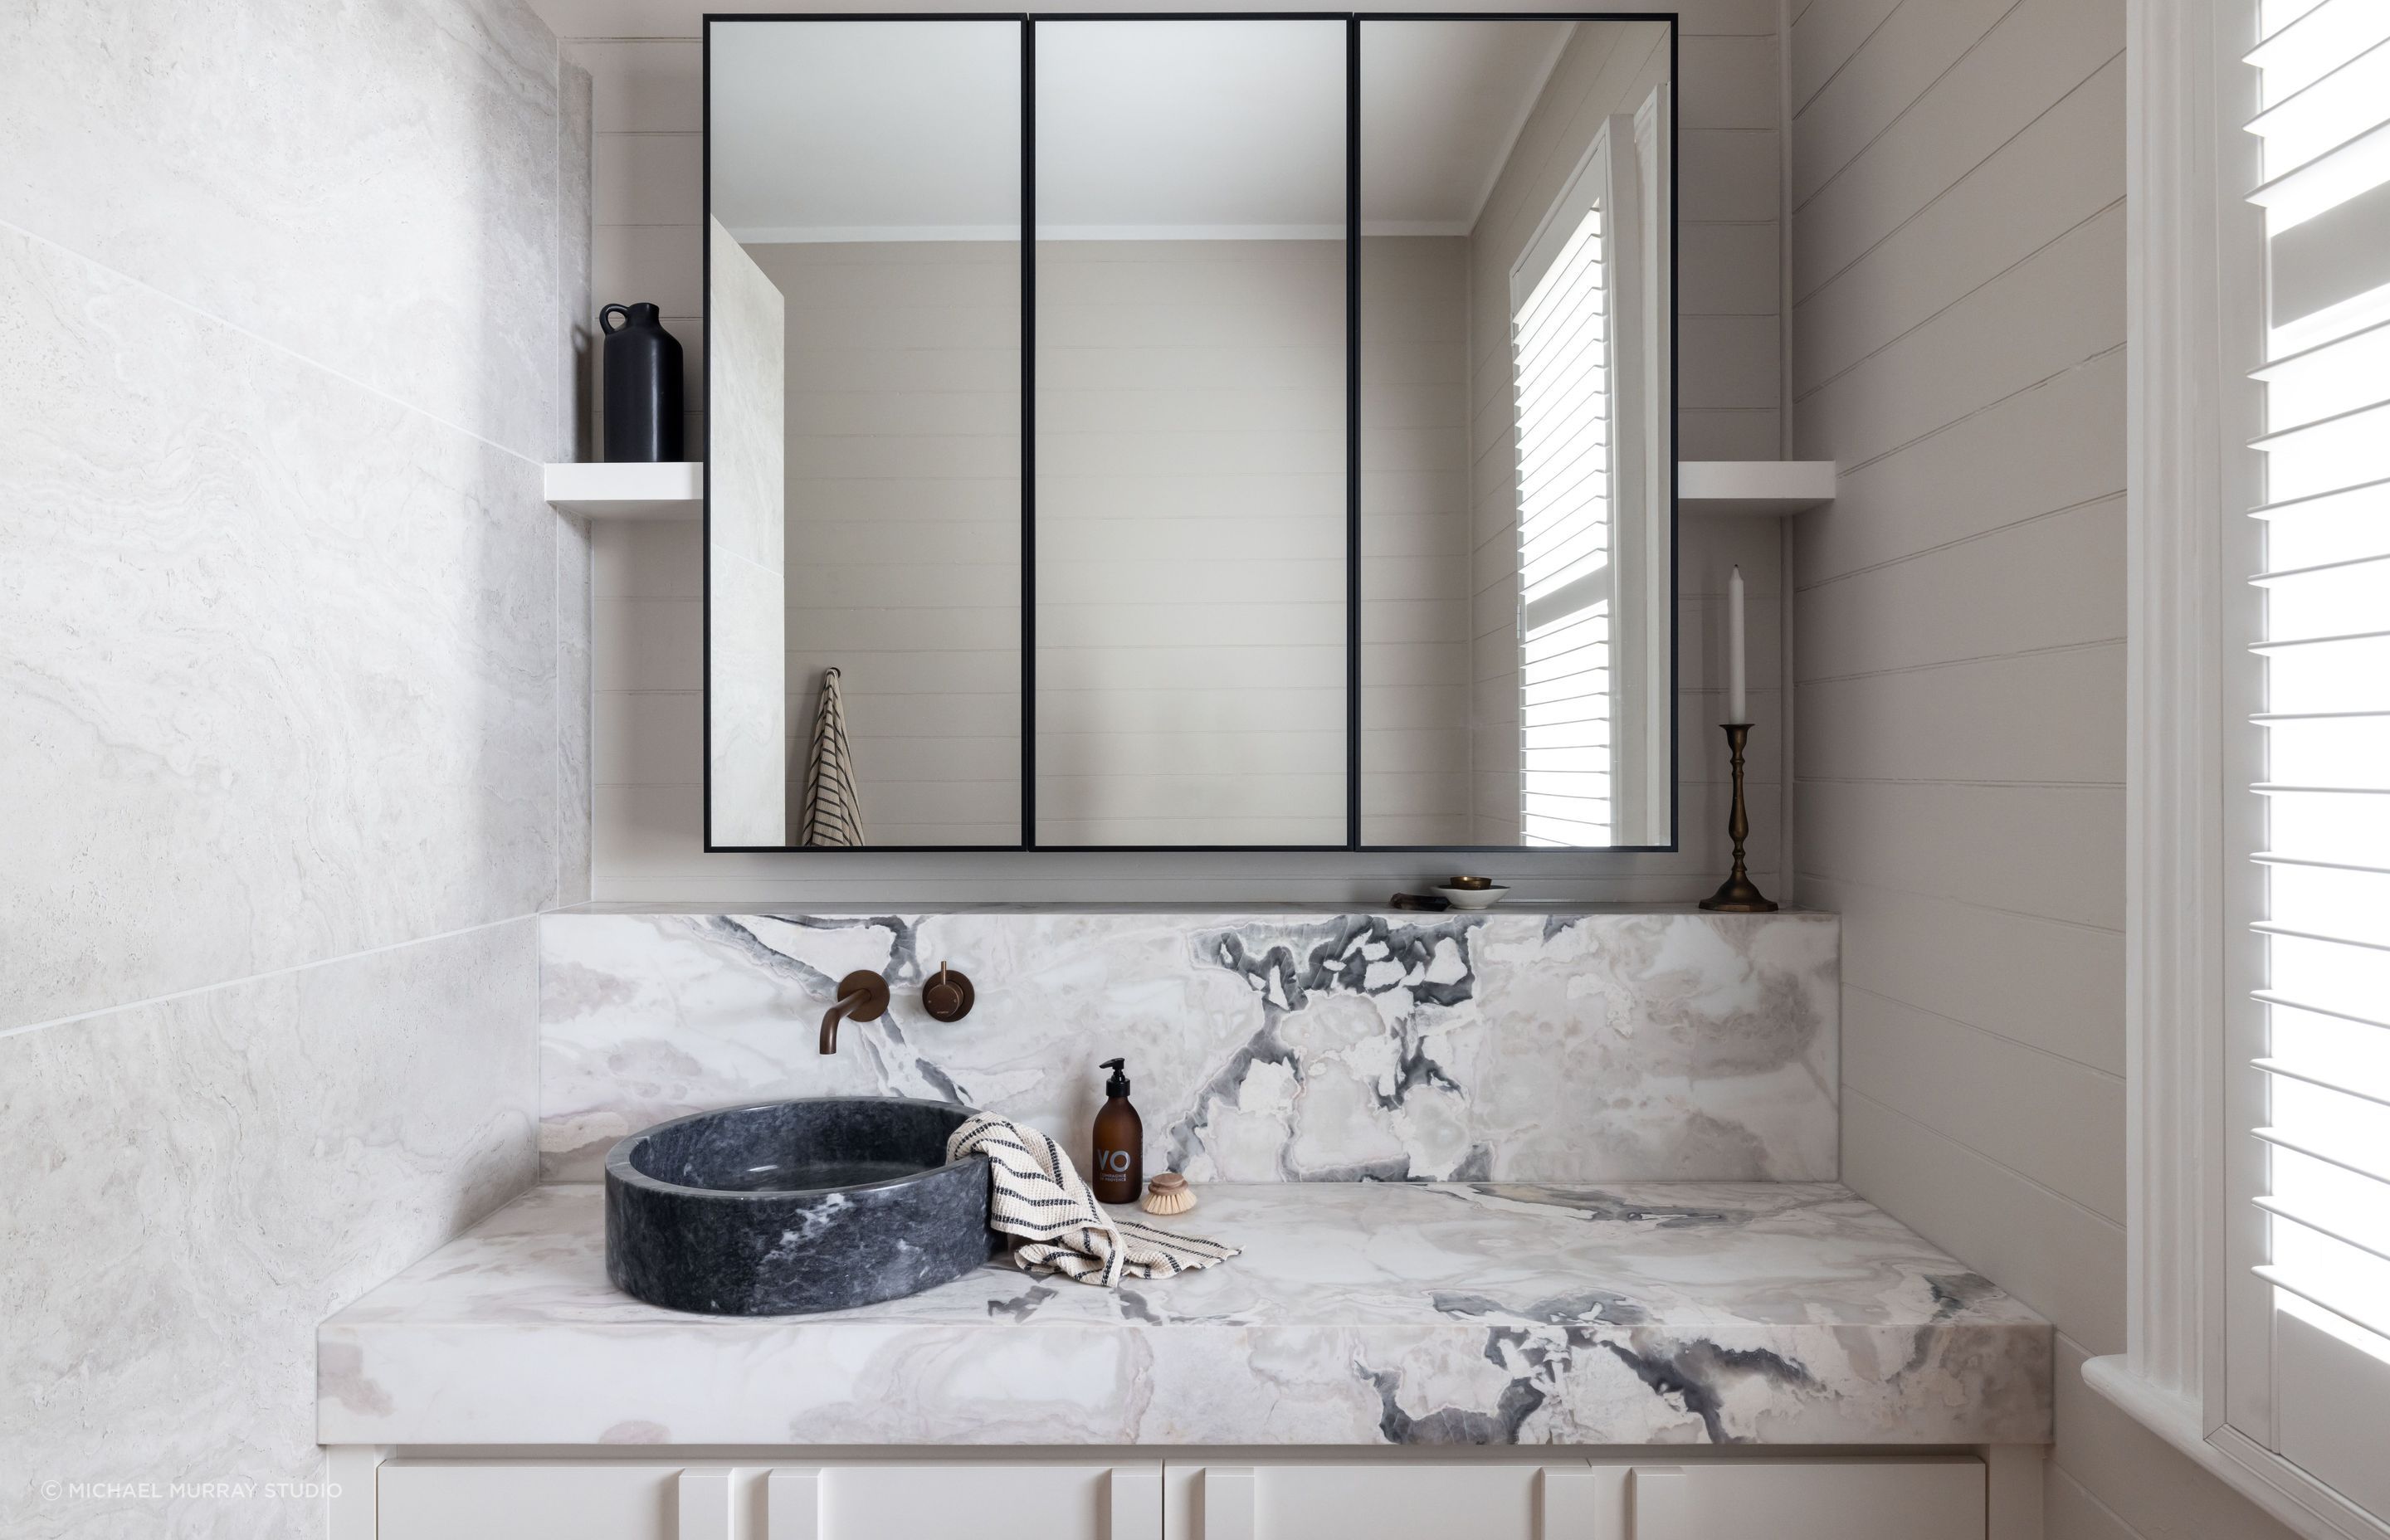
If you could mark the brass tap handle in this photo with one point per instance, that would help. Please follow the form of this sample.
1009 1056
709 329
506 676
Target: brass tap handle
948 995
862 997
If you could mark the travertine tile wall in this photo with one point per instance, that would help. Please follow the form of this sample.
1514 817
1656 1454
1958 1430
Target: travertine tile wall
290 658
1959 283
644 58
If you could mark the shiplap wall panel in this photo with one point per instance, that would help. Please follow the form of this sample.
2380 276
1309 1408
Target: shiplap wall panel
644 61
2071 1510
1825 34
2028 62
1957 268
2057 851
1967 1084
1952 723
1912 47
2050 313
2062 170
1966 480
2047 983
2049 581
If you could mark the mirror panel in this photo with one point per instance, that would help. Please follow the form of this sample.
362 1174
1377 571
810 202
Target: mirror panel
1517 509
864 379
1190 428
1183 629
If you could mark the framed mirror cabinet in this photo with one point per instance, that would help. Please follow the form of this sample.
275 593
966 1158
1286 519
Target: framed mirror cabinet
1190 432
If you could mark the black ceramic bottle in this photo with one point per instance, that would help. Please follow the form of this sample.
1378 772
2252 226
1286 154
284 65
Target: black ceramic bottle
1119 1141
643 399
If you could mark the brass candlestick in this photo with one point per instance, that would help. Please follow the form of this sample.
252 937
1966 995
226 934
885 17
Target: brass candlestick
1736 895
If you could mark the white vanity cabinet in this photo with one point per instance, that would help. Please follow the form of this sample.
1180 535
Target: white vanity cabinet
1625 1499
1885 1499
643 1500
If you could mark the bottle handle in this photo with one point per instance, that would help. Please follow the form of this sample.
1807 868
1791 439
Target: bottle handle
611 310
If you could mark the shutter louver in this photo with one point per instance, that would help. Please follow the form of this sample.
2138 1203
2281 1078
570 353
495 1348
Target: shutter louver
1561 345
2325 81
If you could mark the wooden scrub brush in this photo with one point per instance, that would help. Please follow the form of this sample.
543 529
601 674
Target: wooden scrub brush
1168 1193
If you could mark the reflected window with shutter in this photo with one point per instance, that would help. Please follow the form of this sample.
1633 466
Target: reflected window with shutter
1561 343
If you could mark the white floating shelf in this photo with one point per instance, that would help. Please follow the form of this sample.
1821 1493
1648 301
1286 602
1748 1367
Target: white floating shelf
670 489
675 489
1775 487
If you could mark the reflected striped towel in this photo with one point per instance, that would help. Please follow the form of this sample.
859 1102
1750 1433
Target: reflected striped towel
1038 1197
831 814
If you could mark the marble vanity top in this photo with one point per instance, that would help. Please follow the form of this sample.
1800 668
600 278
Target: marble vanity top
1359 1314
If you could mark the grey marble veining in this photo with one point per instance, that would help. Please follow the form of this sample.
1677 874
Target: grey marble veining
1264 1045
1358 1314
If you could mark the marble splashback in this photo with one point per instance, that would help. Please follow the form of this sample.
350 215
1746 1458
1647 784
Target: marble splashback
1263 1045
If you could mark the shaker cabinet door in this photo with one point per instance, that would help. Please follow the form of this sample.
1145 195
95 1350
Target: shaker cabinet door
1894 1499
626 1500
1386 1502
522 1500
985 1502
1889 1499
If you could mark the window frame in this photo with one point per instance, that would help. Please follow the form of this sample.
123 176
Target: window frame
1593 192
2197 1365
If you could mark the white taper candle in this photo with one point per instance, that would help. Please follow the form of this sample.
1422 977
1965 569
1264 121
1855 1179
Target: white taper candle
1738 709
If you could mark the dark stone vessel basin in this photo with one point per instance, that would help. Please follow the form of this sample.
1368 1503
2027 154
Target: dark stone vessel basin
788 1207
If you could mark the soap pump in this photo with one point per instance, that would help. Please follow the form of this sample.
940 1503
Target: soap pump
1119 1141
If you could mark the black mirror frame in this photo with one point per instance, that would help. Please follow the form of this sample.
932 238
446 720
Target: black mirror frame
1353 20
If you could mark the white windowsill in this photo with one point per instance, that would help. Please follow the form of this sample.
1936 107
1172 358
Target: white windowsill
2280 1488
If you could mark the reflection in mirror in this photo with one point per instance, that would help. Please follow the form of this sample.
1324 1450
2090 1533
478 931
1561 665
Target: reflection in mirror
1516 448
1190 430
863 395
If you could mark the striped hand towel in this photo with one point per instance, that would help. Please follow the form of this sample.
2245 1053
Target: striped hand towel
1039 1198
829 815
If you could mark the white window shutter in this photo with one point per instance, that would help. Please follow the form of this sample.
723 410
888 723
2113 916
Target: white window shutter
2324 84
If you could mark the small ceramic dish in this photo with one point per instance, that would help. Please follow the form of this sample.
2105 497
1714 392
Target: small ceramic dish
1473 898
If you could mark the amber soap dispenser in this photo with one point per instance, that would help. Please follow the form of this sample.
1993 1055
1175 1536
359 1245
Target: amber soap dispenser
1120 1141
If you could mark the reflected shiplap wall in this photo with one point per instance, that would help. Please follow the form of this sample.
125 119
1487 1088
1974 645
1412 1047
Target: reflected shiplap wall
1415 569
644 58
1190 542
904 519
291 657
1959 273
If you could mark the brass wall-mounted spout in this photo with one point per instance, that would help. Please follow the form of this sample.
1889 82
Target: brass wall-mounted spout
862 997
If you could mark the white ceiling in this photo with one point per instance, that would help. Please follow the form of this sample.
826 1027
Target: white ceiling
1442 102
911 130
